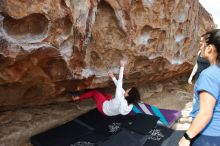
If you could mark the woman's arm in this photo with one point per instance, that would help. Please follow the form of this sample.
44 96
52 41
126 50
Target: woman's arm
195 68
110 73
118 93
207 104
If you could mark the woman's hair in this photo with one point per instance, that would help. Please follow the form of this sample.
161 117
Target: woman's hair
213 38
133 96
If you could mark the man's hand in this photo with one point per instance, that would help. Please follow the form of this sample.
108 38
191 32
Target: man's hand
110 74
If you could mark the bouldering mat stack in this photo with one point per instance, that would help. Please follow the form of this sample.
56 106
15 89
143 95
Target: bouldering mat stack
167 116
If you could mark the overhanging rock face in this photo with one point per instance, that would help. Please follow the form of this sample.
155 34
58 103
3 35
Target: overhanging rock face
48 48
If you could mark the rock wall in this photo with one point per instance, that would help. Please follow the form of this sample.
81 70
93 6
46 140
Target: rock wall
50 47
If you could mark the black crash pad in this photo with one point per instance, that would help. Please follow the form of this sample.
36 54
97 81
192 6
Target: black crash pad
93 128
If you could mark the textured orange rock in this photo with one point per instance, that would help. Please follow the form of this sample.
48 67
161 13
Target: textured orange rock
50 47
